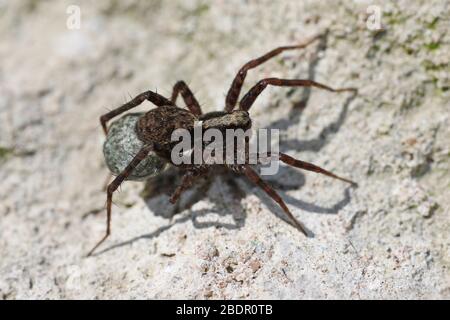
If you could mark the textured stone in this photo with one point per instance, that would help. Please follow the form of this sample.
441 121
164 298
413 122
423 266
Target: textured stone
122 144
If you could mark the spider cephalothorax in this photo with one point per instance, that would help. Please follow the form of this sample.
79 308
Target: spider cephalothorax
140 145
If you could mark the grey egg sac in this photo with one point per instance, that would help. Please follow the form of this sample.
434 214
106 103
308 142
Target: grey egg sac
122 144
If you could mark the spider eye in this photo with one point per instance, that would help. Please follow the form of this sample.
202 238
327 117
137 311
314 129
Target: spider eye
122 144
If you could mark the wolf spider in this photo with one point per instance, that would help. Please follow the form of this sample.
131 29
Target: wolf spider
155 127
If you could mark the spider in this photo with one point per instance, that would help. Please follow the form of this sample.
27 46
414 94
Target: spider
150 133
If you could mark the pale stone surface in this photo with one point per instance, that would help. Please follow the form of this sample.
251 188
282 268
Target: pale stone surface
387 239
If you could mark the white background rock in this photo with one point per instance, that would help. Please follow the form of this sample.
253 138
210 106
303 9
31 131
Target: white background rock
387 239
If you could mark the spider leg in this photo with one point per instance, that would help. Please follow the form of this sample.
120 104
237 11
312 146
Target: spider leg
188 97
107 180
311 167
255 178
151 96
187 181
250 97
236 85
113 187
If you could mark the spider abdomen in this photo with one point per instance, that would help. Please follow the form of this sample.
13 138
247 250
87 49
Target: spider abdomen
157 125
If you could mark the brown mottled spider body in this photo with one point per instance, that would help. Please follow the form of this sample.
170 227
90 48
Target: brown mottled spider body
154 129
156 126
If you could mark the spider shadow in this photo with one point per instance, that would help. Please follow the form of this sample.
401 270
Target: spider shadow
157 190
158 203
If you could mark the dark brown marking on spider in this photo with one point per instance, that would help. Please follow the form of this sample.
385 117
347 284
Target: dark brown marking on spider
157 125
155 128
188 97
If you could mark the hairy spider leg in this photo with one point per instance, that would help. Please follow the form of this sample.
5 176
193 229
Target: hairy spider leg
308 166
187 181
238 81
188 97
113 187
311 167
255 178
250 97
151 96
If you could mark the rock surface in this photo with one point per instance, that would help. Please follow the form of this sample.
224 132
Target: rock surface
389 238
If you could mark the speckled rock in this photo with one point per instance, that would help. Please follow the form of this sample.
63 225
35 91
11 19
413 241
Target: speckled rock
122 144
